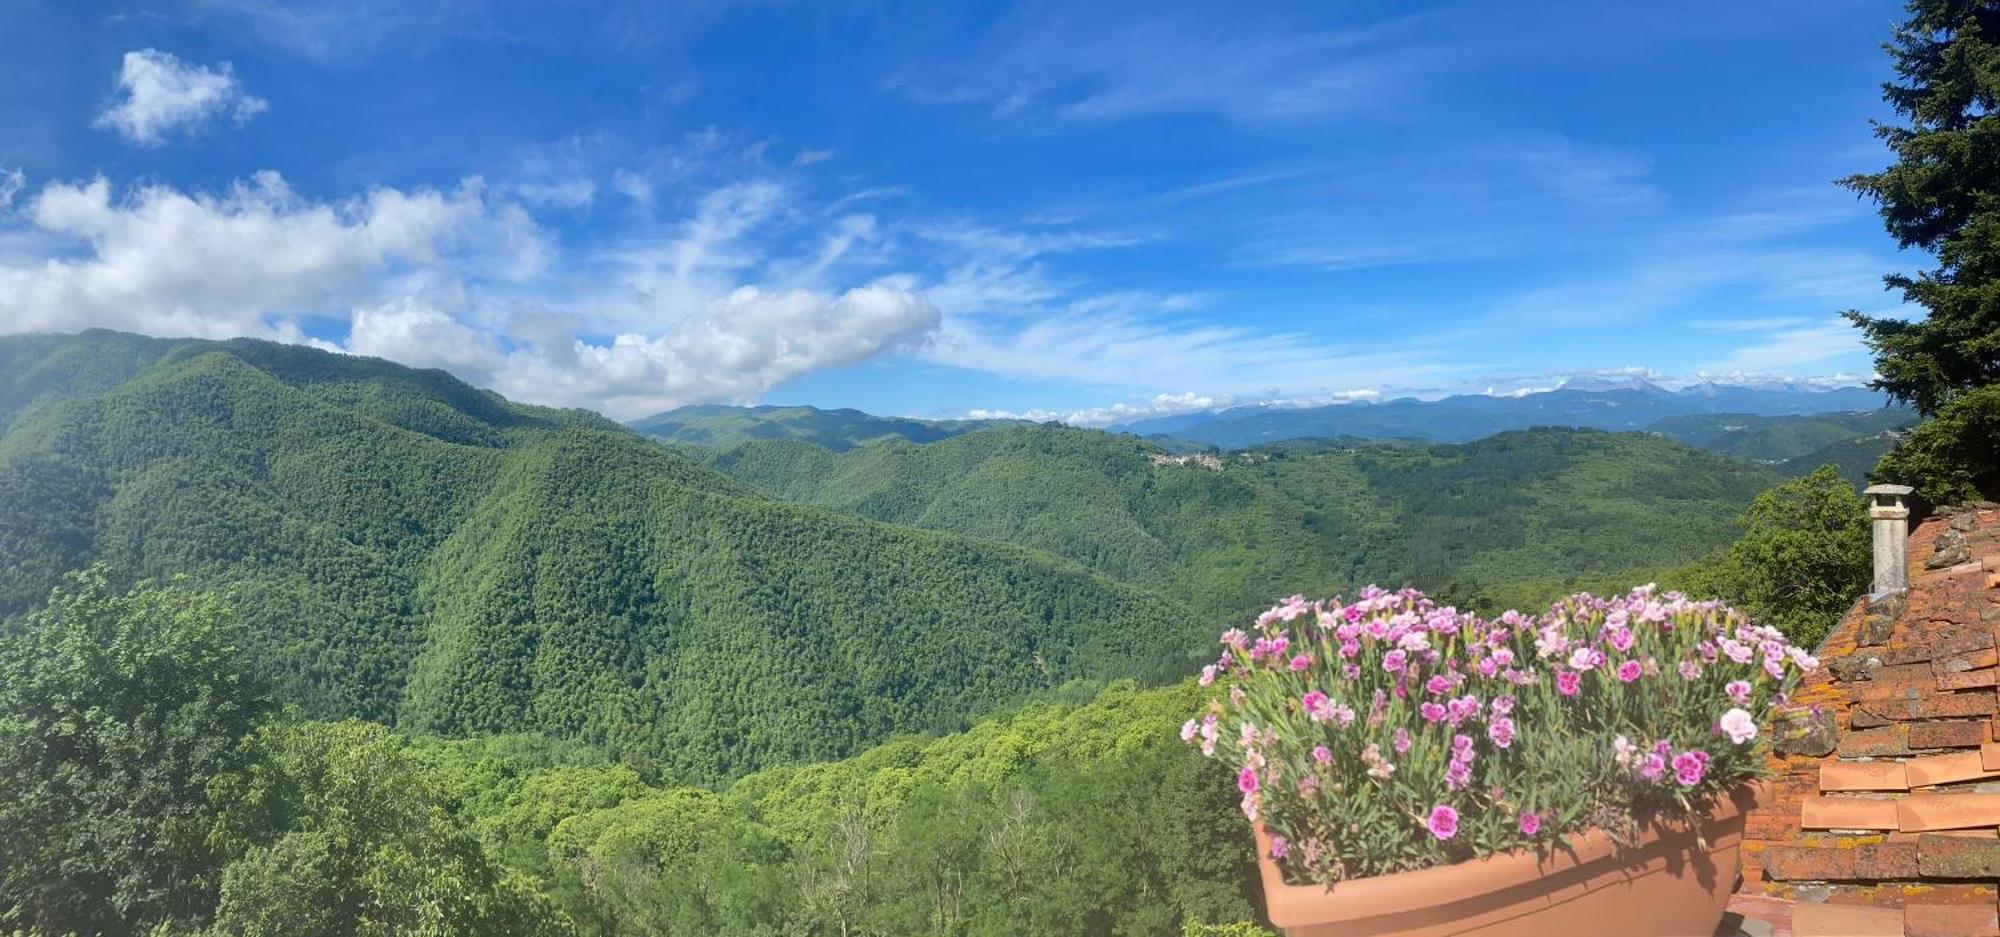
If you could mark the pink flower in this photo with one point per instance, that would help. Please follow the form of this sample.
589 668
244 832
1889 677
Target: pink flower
1621 638
1188 730
1308 784
1457 775
1402 741
1246 781
1207 675
1584 658
1235 638
1689 767
1322 754
1278 847
1568 682
1318 707
1652 767
1739 692
1690 670
1443 822
1738 725
1530 824
1393 661
1301 662
1438 685
1628 671
1431 712
1501 732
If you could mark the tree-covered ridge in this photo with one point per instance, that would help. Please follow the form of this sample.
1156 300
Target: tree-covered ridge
413 551
1774 439
1324 518
722 426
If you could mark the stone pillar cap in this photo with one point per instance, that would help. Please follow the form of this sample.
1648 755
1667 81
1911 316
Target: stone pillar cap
1891 490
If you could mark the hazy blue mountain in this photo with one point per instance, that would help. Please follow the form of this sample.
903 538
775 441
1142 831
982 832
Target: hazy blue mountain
1590 403
721 426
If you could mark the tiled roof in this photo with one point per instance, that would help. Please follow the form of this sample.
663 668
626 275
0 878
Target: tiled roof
1898 811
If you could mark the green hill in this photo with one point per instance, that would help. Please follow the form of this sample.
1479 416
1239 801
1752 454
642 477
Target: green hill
412 550
1320 518
1778 438
839 430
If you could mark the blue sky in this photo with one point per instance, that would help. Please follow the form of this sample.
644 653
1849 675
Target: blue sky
938 209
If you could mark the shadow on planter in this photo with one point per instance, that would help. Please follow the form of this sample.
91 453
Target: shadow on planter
1668 885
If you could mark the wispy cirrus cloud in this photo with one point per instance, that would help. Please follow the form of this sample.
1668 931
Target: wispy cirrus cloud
1081 66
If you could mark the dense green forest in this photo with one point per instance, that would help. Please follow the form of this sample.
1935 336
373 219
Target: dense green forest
170 793
1799 443
413 551
1326 517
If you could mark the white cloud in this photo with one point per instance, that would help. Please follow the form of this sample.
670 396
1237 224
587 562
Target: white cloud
746 343
460 280
418 334
1083 67
809 157
12 181
162 94
168 262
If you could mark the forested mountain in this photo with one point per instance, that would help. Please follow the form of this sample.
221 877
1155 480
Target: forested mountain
839 430
411 550
1226 534
1779 438
1623 405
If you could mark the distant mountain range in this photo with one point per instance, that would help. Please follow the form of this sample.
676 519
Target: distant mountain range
721 426
1593 403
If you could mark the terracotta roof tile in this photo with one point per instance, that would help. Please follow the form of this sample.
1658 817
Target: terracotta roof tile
1849 813
1864 776
1926 812
1946 769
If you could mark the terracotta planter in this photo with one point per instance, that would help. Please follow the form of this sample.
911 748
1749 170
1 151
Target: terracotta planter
1667 885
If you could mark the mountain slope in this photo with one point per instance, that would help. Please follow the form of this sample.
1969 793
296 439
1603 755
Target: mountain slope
1319 519
413 550
839 430
1778 438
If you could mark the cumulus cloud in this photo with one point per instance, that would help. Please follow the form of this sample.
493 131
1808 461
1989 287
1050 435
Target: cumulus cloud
744 344
419 334
458 280
168 262
161 94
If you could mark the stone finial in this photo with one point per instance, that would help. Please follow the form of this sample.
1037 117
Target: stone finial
1889 515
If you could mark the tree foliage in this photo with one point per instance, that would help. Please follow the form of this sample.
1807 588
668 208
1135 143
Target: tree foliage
116 708
1803 559
1939 196
1954 457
